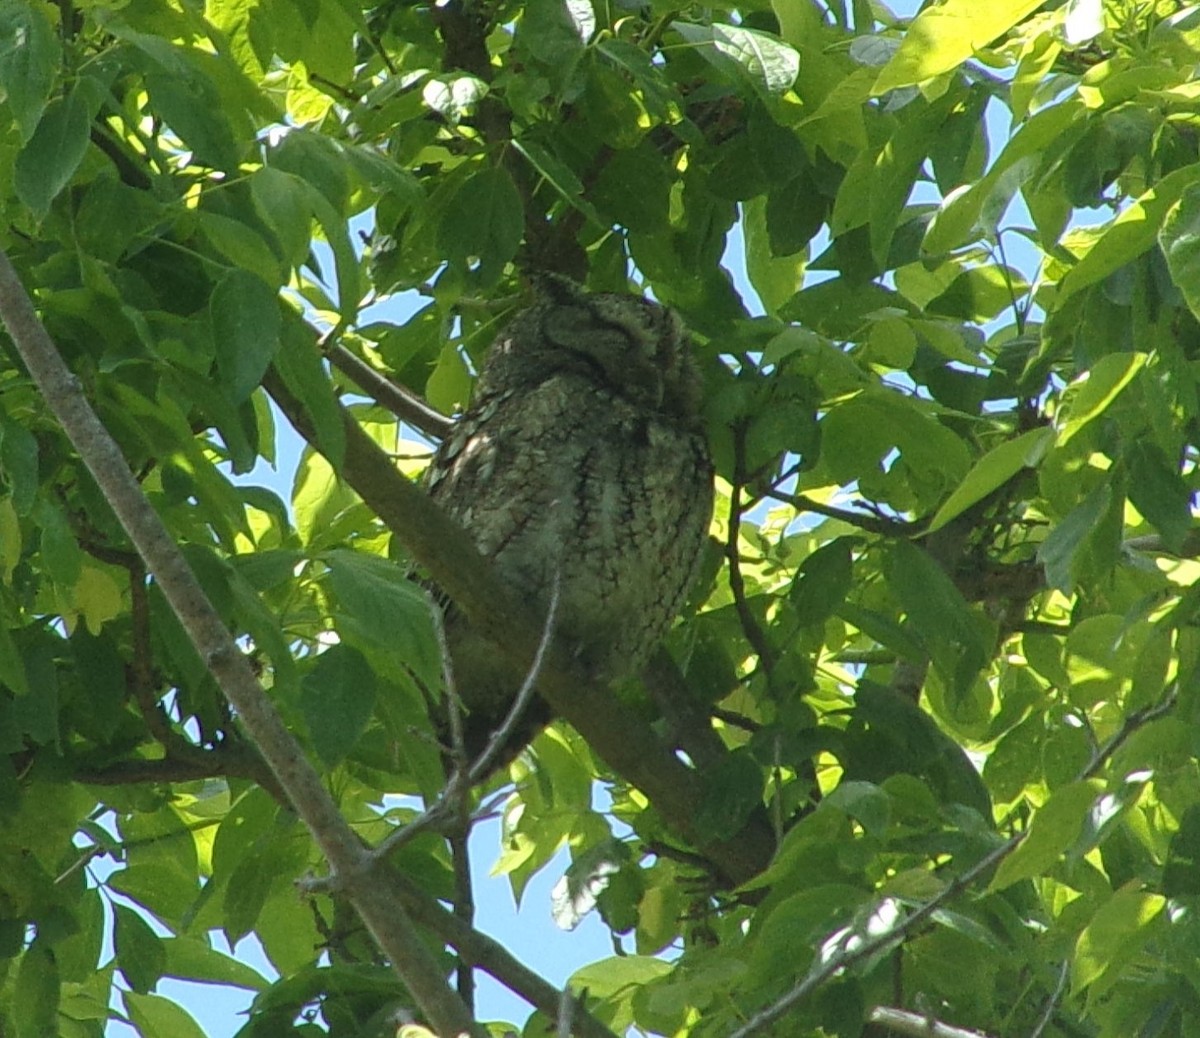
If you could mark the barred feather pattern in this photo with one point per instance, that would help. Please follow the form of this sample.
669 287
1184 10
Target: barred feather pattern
580 459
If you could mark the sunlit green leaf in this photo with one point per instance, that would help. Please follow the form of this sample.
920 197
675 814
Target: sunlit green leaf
992 471
1052 831
942 37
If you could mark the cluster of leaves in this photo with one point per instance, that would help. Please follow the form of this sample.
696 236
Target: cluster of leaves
955 469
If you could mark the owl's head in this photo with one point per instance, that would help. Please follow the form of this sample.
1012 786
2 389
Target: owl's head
630 346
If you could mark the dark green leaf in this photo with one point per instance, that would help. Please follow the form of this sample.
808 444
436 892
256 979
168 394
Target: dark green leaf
140 952
36 992
48 161
1181 873
245 327
938 611
19 464
1061 550
189 102
732 791
337 697
1159 492
299 365
388 608
822 582
483 223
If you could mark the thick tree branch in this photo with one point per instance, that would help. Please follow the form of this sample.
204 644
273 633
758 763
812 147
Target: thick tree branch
626 743
412 961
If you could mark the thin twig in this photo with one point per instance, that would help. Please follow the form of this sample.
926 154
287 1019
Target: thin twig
870 523
499 738
919 1025
866 949
462 778
401 401
464 899
1052 1002
737 584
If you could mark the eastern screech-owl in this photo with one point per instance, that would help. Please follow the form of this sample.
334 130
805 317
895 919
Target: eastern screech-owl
580 459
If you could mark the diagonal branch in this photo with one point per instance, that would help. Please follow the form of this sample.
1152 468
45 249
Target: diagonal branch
388 923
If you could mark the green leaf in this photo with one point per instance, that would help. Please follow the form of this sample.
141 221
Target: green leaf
776 278
337 698
1091 396
1159 492
48 161
615 981
1061 550
19 465
388 609
992 471
36 992
937 609
140 952
61 554
732 791
244 246
1054 828
973 211
559 176
1179 239
1115 934
299 365
159 1017
1181 873
483 222
822 582
191 105
770 64
193 958
245 326
943 37
1133 231
29 58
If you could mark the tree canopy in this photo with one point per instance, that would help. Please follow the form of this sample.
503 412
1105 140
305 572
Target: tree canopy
921 755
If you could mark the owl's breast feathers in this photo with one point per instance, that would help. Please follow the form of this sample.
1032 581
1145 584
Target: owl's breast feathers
568 479
561 473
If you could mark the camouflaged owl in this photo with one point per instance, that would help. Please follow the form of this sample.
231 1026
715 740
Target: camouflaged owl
581 459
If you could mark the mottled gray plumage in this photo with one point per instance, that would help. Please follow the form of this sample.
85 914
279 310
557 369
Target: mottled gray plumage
581 455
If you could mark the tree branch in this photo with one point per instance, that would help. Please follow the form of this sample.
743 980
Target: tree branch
493 958
413 962
919 1025
402 402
